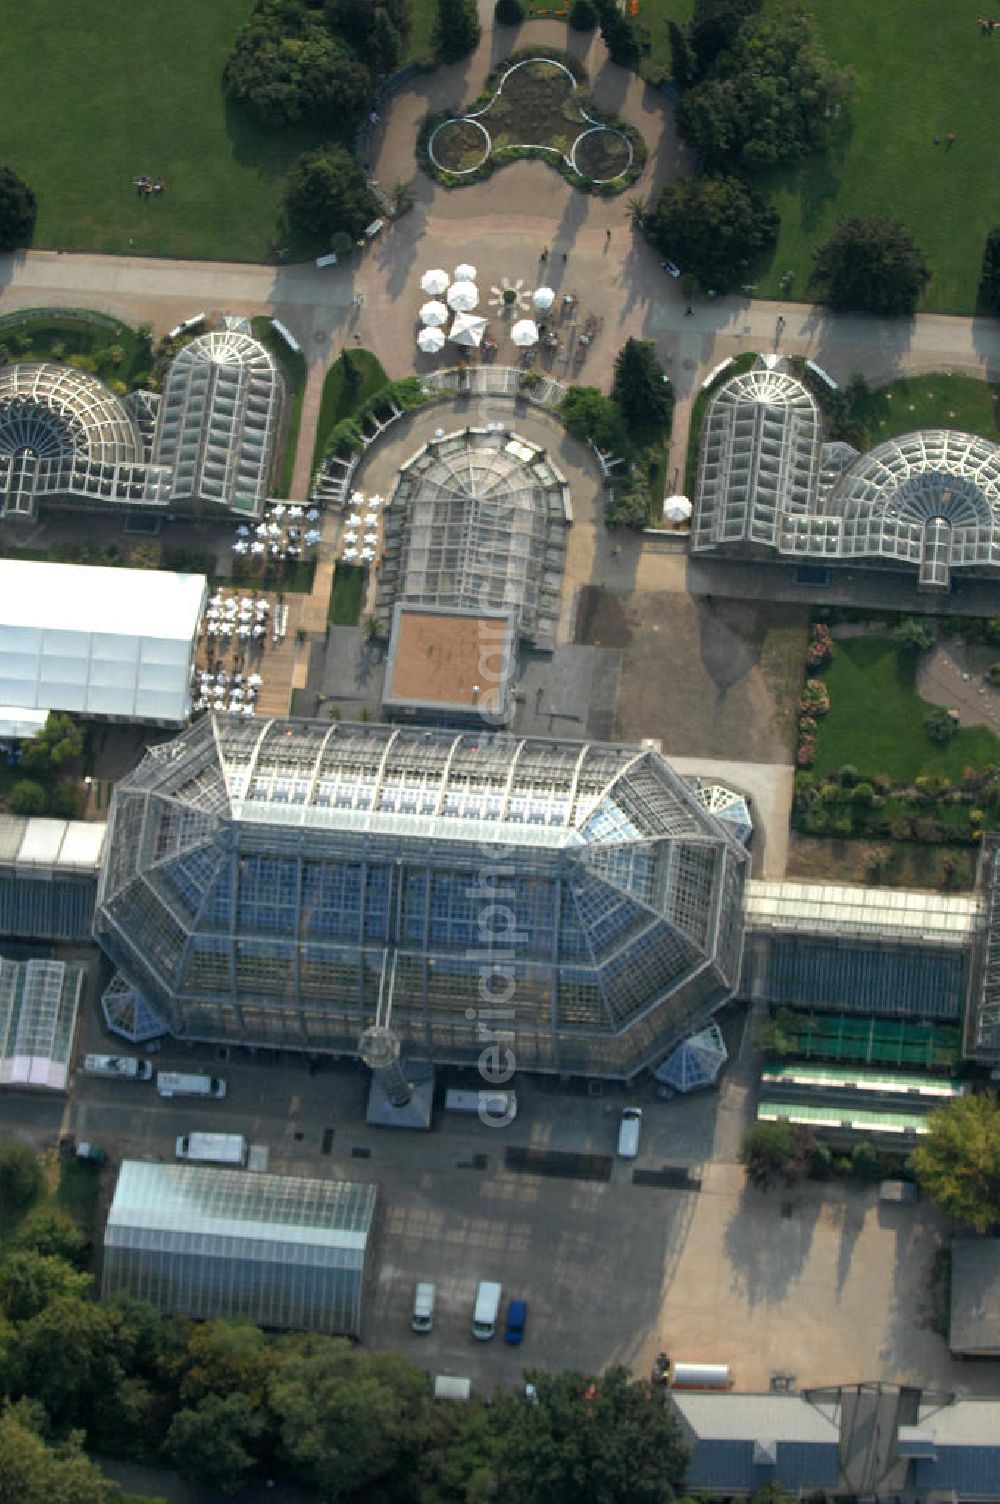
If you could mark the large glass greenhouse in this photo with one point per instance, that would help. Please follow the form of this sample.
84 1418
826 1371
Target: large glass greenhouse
478 520
928 500
210 438
278 1250
272 883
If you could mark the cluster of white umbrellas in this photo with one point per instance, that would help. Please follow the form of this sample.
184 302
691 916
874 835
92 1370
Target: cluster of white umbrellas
360 537
234 692
229 617
461 296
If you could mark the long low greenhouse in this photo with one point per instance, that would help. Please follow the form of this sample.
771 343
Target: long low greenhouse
279 1250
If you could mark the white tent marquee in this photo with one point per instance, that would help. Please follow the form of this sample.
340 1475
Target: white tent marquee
98 642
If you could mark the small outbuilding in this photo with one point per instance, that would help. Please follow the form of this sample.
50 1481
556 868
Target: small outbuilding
740 1442
974 1331
282 1251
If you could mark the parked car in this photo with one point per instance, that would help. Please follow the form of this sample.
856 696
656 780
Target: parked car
423 1308
671 268
517 1320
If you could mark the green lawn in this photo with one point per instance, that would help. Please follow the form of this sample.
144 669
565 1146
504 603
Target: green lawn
876 719
924 69
930 402
293 364
341 401
97 94
346 595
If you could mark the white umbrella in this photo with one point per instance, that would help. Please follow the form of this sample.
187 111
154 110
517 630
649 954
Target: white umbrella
676 509
278 510
295 511
464 272
255 679
240 547
243 531
433 315
371 538
543 297
376 500
434 282
257 548
353 520
525 332
468 329
261 529
350 537
463 296
350 553
312 514
430 340
274 530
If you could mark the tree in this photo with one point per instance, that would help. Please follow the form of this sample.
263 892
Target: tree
619 35
32 1472
21 1181
55 746
288 69
211 1444
940 726
871 265
683 64
989 276
603 1436
28 797
629 507
641 390
594 418
958 1162
346 1419
456 29
31 1281
916 634
582 15
374 31
713 227
64 1358
224 1358
48 1231
771 96
327 194
509 12
714 26
771 1149
17 211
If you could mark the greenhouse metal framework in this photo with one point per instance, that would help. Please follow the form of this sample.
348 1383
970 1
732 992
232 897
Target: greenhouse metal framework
65 437
984 1012
929 500
267 883
39 1000
478 519
278 1250
218 421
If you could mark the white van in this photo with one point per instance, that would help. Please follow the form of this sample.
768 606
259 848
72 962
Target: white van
176 1084
449 1386
498 1106
423 1308
125 1067
628 1132
484 1317
212 1148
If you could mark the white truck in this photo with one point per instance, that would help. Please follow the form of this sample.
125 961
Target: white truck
212 1148
118 1067
177 1084
484 1317
492 1106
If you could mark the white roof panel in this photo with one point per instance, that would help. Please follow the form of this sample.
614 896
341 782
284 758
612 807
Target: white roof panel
98 641
42 841
741 1417
82 843
86 598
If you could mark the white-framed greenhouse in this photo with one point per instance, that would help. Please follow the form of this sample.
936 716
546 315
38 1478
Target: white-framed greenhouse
39 1002
63 433
282 1251
477 519
218 420
928 500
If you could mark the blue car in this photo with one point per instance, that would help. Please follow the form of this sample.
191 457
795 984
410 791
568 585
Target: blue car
517 1320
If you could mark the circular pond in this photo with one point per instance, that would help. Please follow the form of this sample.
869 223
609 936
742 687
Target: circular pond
459 145
601 154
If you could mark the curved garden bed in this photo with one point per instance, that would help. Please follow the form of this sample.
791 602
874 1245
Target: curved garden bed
534 105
